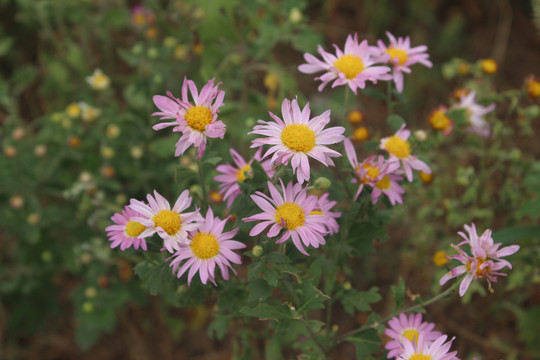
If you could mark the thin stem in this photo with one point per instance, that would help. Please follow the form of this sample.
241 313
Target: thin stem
203 184
434 299
389 103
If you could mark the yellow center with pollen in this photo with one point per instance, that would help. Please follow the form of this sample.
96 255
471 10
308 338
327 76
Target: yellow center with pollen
371 173
420 357
350 65
168 220
384 183
399 54
241 174
411 335
198 117
479 272
134 229
439 121
298 137
316 212
204 246
292 214
398 147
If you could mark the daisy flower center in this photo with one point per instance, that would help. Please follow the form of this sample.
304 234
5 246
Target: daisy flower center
350 65
241 174
298 137
398 147
198 117
439 121
316 212
371 173
134 229
100 80
399 54
204 246
168 220
384 183
479 272
420 356
292 214
411 335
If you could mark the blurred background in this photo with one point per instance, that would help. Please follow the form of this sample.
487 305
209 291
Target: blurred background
76 84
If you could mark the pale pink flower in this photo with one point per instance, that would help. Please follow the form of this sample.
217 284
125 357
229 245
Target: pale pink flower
298 137
402 56
475 113
399 147
196 122
172 225
207 247
422 349
389 186
290 211
231 176
352 66
126 232
324 207
485 261
408 327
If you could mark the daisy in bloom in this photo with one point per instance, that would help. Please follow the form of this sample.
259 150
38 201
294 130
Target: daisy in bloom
195 122
402 56
323 208
207 247
485 261
172 225
408 327
423 349
291 211
389 186
231 176
440 122
477 124
98 80
398 147
353 66
298 137
126 232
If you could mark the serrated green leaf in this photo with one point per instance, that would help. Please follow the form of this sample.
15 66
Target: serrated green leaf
395 121
268 312
312 298
366 343
218 327
154 277
259 290
398 292
360 301
277 257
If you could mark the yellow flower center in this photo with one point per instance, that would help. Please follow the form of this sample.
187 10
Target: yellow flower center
350 65
411 335
533 89
241 174
134 229
439 121
292 214
440 258
398 147
298 137
168 220
198 117
100 81
384 183
73 110
204 246
489 66
479 272
316 212
420 356
399 54
371 173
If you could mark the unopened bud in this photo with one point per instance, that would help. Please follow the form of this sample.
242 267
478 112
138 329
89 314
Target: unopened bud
322 183
257 250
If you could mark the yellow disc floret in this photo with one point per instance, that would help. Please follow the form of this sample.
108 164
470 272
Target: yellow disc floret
198 117
440 259
439 121
168 220
384 183
420 357
489 66
134 229
204 246
371 173
479 272
241 174
350 65
398 147
298 137
411 335
290 213
399 54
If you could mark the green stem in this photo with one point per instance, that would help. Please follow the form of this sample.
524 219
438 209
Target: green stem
203 184
434 299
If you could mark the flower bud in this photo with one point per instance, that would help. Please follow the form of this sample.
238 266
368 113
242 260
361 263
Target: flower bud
257 250
322 183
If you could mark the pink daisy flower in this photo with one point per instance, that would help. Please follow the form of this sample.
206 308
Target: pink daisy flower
428 350
477 124
398 147
172 225
323 208
389 186
206 248
231 176
290 211
352 66
298 137
485 261
195 122
402 56
408 327
126 232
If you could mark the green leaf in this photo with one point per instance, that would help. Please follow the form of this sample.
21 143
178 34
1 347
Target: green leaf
360 301
153 277
366 343
268 312
516 234
277 257
529 327
398 292
374 92
312 298
5 45
458 116
395 121
259 290
219 327
271 276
